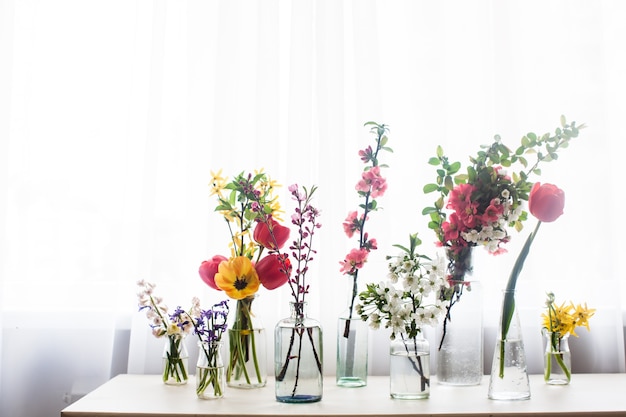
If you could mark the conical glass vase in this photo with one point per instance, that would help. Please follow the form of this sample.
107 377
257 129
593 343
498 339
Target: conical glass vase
509 376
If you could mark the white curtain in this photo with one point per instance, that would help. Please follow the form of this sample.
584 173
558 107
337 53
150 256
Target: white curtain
114 113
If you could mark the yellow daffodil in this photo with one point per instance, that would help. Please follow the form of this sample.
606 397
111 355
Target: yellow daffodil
582 315
566 318
237 278
217 183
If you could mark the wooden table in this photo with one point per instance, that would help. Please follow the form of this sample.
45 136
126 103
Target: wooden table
146 395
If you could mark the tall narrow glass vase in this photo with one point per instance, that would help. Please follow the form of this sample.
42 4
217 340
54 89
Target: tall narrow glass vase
247 357
509 376
460 351
298 357
352 351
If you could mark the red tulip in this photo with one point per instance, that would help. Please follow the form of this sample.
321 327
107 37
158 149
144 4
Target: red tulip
271 270
546 202
208 269
263 235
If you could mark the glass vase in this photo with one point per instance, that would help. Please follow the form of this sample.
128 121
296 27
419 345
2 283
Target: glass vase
557 360
460 350
352 350
247 348
509 376
175 360
298 357
460 337
210 378
409 368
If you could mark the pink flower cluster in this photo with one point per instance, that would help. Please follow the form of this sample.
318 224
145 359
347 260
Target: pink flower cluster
371 185
479 220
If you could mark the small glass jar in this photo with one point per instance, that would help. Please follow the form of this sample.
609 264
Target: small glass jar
210 375
409 368
175 360
557 359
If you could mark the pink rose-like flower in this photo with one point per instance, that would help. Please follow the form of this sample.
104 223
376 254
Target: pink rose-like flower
372 181
546 202
351 224
354 260
209 268
271 271
263 236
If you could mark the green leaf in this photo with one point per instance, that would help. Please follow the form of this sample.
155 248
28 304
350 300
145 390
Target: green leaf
429 188
433 161
433 225
454 168
439 151
402 247
563 121
428 210
448 182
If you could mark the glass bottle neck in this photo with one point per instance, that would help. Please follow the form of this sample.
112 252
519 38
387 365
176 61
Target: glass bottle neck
298 310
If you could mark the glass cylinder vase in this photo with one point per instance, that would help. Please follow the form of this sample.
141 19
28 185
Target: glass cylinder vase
409 368
509 376
352 350
298 357
210 376
175 360
460 337
557 360
247 348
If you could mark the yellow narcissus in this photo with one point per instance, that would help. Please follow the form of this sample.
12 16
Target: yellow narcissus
237 278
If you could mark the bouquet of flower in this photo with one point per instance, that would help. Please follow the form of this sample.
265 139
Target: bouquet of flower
559 322
251 212
371 186
175 326
402 303
477 207
209 326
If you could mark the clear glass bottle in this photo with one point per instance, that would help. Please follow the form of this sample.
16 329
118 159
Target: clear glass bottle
175 360
210 375
352 350
557 362
298 357
409 368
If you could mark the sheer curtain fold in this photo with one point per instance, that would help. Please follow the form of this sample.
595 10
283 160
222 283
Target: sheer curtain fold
109 138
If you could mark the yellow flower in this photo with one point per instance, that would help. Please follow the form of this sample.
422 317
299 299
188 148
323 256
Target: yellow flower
237 278
582 315
217 183
566 318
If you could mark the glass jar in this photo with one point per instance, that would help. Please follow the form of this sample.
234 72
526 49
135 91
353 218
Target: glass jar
210 376
175 360
557 360
409 367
